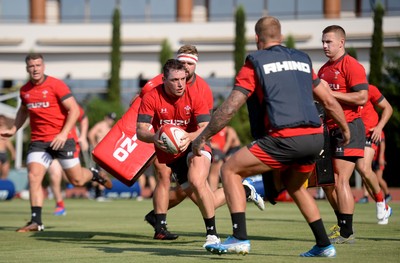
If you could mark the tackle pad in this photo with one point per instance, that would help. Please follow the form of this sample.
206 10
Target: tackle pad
121 153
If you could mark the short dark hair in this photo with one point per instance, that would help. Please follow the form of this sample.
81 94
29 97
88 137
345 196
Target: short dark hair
172 64
33 56
112 115
336 29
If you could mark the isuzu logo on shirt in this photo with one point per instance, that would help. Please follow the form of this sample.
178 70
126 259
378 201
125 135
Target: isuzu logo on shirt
36 105
286 66
175 122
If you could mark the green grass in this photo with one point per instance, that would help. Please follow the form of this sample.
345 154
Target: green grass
115 232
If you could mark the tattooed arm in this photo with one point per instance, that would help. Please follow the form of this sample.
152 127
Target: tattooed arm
220 119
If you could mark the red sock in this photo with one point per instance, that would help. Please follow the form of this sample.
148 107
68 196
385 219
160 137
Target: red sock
60 204
379 197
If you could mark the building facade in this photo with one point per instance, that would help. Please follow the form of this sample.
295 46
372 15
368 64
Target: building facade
75 35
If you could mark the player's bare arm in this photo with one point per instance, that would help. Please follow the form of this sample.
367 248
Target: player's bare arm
352 98
92 134
84 127
332 108
144 133
386 113
220 119
20 119
72 107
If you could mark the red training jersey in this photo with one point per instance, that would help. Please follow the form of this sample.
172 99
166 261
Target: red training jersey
198 83
247 79
345 75
219 139
377 152
368 113
46 112
186 112
151 84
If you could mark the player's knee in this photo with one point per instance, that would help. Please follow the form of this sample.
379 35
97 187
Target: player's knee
225 170
76 182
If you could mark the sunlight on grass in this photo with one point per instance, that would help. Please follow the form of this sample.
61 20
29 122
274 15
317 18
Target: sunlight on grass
116 232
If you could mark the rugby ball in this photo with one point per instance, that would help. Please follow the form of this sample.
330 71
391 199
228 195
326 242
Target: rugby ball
171 136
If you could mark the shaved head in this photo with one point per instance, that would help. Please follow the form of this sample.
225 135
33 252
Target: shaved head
268 29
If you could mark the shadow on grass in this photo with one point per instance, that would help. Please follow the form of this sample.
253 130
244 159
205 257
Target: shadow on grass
117 243
94 237
171 251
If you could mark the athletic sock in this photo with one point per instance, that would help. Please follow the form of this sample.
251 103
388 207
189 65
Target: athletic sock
346 225
36 214
337 217
161 222
210 226
60 204
239 225
320 235
379 197
97 191
247 190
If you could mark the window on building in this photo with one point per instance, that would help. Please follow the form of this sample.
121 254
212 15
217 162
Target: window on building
307 9
393 7
73 11
101 11
14 11
254 9
296 9
220 10
162 11
133 11
224 10
148 10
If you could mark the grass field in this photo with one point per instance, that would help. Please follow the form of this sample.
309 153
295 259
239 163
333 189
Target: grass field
115 232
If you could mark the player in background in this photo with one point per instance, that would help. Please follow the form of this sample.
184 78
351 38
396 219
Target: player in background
275 81
52 112
379 164
165 197
55 171
347 80
373 128
95 135
147 183
224 144
174 103
6 147
374 125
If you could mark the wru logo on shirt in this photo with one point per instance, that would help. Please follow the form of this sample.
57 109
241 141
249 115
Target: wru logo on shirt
286 66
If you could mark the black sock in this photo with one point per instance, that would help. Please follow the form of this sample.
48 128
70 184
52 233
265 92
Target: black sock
318 230
151 213
36 214
337 217
161 221
97 191
239 225
210 226
247 190
346 225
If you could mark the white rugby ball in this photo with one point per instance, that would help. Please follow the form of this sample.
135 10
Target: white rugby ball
171 136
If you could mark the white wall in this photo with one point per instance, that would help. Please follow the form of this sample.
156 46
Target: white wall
82 50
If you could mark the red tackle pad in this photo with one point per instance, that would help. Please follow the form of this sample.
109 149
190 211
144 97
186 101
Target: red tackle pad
120 153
